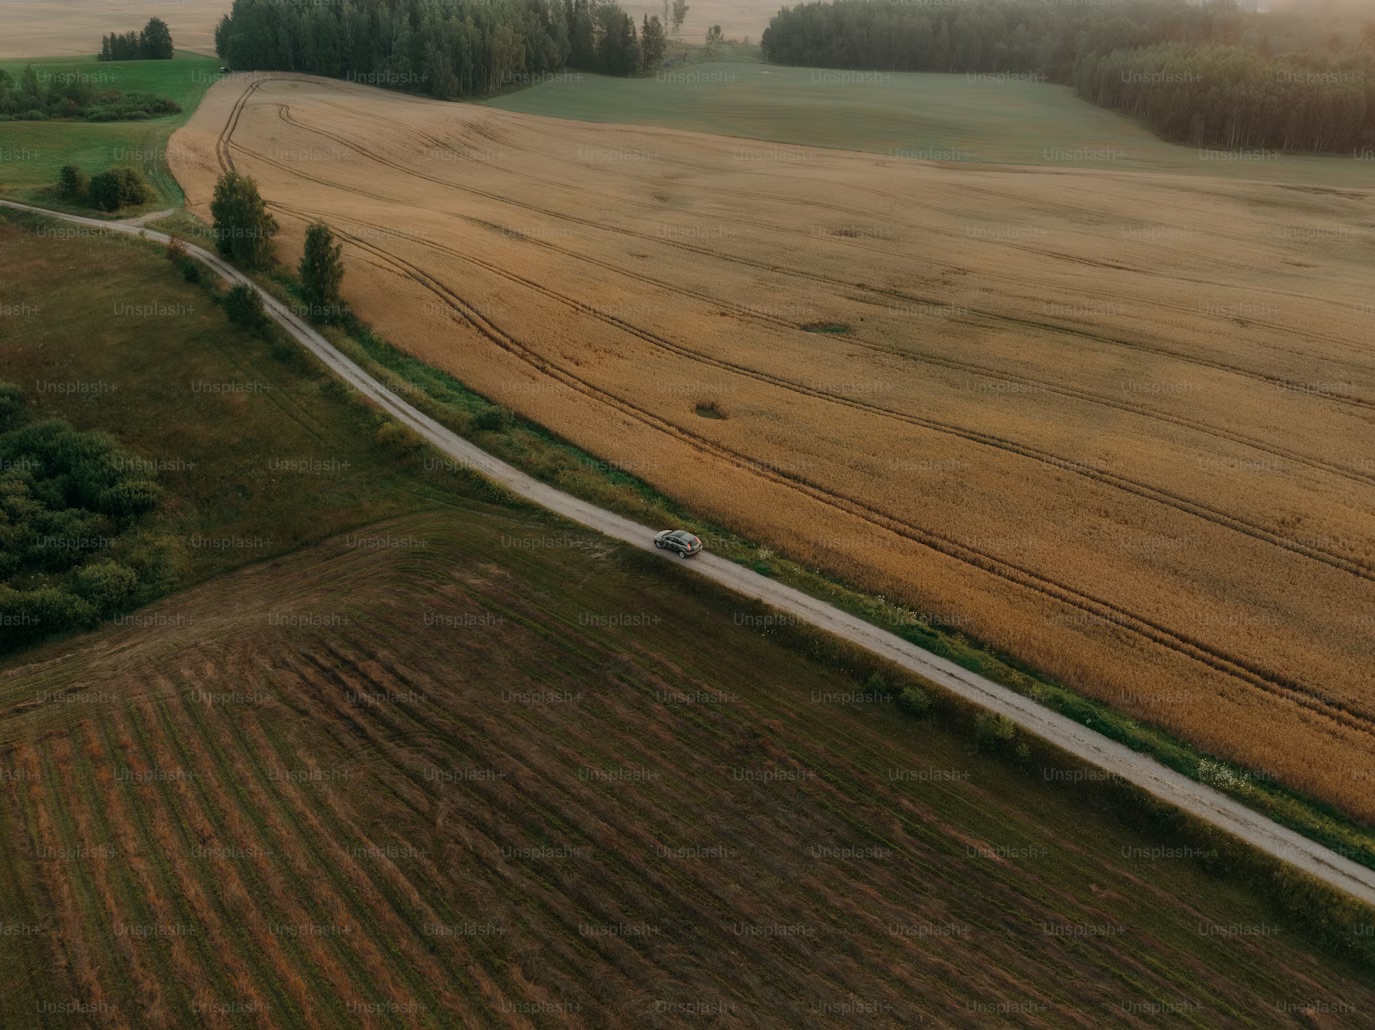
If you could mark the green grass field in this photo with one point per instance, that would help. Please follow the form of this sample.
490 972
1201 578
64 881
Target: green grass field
34 151
257 454
903 114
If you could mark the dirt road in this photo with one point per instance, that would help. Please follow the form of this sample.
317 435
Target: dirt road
1195 798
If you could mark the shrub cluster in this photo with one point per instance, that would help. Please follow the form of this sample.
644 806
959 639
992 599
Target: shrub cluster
244 307
66 497
71 97
118 187
109 190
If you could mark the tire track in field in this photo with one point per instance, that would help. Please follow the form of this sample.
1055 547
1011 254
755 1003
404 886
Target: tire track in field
495 137
1054 327
1106 612
854 244
1302 333
993 318
1213 516
762 316
225 139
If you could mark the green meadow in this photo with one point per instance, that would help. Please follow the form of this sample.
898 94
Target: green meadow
32 152
923 116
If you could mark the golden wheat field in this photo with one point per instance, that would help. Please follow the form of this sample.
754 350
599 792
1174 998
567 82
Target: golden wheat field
51 28
1118 425
438 784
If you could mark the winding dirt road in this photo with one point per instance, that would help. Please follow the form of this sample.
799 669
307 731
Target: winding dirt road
1195 798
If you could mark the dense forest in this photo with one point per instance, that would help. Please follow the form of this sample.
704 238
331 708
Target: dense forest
1208 74
443 48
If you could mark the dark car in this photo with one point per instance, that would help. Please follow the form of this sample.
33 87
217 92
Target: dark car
679 540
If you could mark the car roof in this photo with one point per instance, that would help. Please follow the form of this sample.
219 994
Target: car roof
682 534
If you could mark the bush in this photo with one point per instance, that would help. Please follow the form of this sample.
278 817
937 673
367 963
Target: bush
179 256
130 497
66 484
495 420
71 184
915 702
119 187
105 585
994 733
11 405
399 439
244 307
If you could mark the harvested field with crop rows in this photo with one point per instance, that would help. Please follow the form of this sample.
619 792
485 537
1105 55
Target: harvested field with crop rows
482 779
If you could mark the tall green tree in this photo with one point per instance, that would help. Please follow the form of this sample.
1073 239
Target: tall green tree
155 41
243 227
680 13
653 43
71 183
618 48
322 272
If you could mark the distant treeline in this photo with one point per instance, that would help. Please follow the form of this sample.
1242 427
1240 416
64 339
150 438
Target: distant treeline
153 43
444 48
1202 74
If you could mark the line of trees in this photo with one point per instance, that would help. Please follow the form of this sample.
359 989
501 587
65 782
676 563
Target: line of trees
444 48
243 230
1197 73
154 43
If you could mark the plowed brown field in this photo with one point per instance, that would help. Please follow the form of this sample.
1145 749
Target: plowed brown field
1116 424
473 781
